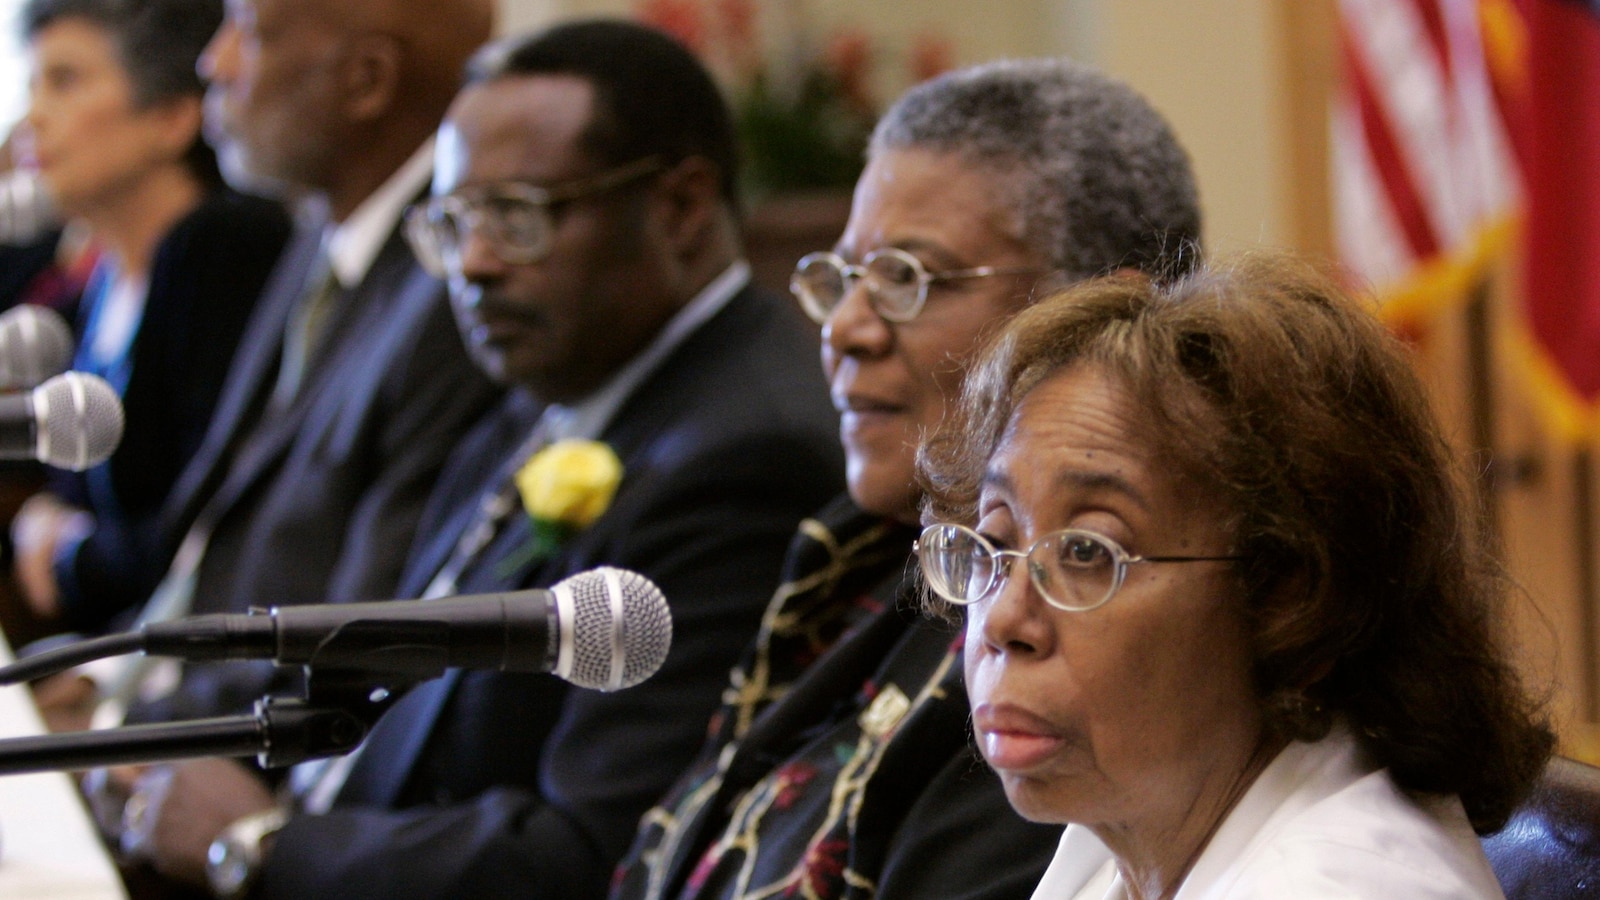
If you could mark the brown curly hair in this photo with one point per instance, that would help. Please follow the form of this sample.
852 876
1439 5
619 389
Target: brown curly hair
1369 575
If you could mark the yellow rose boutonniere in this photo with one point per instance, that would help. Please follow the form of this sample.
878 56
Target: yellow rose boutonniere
564 488
569 482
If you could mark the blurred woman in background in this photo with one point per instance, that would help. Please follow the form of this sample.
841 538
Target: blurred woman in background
114 128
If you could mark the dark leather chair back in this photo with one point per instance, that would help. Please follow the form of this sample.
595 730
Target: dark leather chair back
1551 846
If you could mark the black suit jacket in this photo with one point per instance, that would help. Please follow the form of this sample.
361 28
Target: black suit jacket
318 501
483 784
205 279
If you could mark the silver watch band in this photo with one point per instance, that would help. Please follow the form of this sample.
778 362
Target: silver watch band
233 861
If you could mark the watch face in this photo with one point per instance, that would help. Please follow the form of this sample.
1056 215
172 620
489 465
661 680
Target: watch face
228 866
233 858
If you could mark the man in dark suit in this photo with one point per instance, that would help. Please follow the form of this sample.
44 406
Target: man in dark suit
585 211
351 384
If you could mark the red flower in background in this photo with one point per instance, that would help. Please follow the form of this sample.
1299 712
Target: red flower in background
931 56
804 111
849 56
683 19
737 21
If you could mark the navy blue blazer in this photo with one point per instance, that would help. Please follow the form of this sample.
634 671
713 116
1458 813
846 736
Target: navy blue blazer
318 501
483 784
205 279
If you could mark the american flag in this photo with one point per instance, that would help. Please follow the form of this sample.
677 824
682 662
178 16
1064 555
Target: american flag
1426 183
1464 130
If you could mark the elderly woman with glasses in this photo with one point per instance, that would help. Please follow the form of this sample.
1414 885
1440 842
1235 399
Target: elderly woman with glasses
840 764
1230 609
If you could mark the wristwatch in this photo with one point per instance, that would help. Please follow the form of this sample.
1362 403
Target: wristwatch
234 859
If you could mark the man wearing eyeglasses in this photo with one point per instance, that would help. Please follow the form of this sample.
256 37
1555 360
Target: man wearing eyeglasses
583 212
350 385
346 393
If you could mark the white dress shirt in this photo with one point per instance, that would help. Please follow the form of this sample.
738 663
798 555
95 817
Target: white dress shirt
353 245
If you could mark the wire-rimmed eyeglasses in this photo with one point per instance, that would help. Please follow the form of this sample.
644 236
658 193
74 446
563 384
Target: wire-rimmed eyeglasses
897 282
1073 569
516 218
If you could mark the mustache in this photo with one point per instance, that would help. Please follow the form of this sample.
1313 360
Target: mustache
482 302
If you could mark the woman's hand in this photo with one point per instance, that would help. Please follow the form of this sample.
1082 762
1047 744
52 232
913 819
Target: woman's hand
43 522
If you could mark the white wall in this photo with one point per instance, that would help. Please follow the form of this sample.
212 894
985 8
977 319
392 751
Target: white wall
13 68
1209 67
520 15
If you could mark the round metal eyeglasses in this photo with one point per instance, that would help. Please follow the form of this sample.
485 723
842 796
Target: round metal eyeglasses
516 218
1073 569
897 282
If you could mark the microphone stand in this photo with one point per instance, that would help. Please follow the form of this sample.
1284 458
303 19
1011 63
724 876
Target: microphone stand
339 708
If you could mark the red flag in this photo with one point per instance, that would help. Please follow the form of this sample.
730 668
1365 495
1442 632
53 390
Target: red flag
1552 101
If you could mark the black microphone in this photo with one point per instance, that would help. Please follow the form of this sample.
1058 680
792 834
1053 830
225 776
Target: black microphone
605 629
73 421
26 210
35 343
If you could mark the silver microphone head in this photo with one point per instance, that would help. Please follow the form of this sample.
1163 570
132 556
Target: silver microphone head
35 343
615 628
26 210
79 420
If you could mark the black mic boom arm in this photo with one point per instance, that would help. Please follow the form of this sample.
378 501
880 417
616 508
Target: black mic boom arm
339 709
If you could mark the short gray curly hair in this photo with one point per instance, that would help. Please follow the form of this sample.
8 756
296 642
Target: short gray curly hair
1096 177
